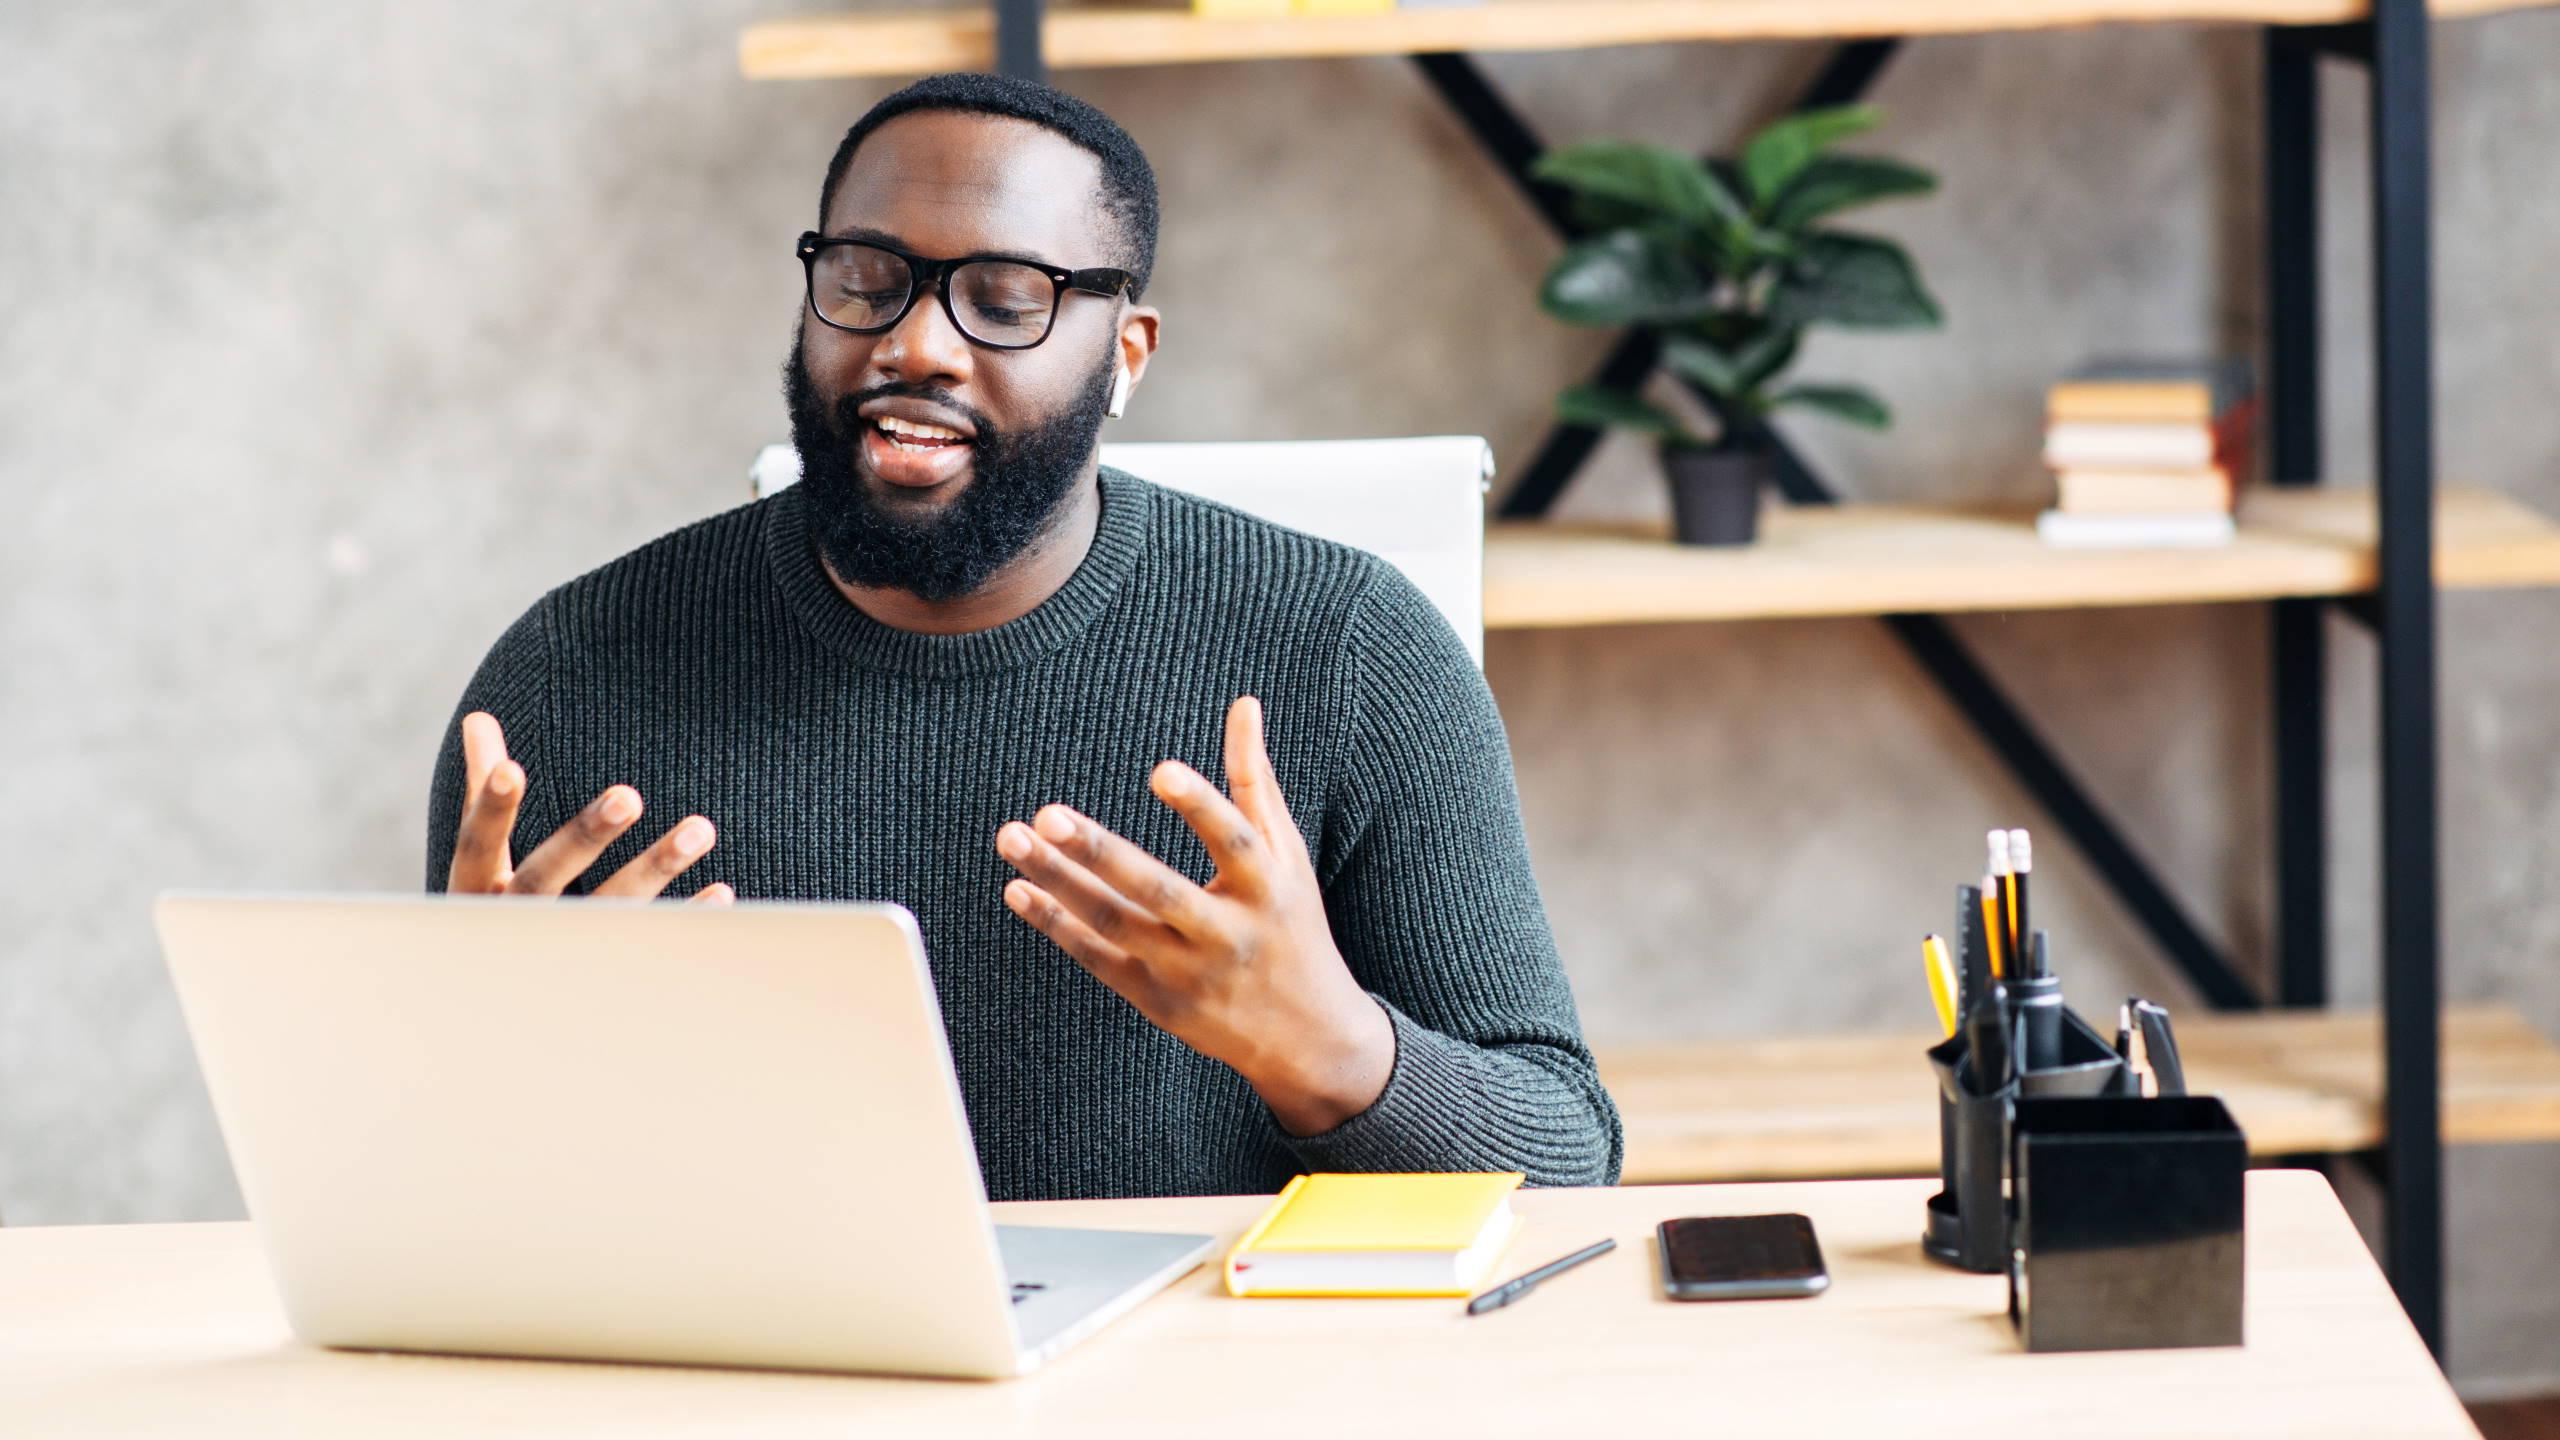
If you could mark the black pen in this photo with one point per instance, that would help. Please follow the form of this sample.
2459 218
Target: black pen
2021 862
1510 1290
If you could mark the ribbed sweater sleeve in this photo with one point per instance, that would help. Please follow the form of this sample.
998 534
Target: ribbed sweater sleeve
1430 895
513 683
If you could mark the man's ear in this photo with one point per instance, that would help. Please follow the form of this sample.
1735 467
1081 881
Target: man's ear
1137 342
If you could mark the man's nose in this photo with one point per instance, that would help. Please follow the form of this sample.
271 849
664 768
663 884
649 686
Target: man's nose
924 345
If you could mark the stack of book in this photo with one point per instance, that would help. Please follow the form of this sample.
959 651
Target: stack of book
2146 452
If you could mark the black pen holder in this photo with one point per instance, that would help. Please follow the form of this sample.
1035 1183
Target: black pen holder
1966 1228
1968 1219
2129 1228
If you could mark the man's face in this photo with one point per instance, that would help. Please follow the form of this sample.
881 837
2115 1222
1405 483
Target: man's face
938 519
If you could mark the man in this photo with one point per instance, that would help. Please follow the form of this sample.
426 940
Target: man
1209 825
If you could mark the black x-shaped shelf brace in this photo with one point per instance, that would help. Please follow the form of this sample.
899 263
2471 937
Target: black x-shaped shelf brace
1852 69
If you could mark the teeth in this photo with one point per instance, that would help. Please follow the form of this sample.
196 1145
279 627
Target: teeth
917 428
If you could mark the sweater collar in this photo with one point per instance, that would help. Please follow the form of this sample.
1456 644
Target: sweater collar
841 626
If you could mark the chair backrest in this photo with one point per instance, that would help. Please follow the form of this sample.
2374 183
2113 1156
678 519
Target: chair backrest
1417 503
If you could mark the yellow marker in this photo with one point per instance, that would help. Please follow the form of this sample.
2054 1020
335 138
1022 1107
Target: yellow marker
1942 980
1992 929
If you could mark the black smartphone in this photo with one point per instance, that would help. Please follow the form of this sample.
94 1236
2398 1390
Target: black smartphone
1740 1257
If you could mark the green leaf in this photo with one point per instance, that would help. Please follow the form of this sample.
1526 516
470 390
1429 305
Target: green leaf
1626 277
1842 402
1697 360
1648 178
1767 355
1730 373
1593 214
1838 182
1784 147
1854 280
1600 406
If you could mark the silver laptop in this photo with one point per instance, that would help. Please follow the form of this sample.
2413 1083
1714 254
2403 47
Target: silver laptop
622 1130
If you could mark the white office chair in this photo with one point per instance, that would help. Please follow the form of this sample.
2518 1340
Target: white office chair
1416 503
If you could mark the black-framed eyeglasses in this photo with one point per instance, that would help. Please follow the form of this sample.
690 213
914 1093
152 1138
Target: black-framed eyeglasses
1004 302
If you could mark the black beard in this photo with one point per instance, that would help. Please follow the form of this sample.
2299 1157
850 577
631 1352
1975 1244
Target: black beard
1016 483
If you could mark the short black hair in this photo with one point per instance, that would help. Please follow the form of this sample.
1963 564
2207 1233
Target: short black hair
1128 181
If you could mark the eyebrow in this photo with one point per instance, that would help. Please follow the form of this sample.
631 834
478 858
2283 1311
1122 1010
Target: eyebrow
873 236
867 233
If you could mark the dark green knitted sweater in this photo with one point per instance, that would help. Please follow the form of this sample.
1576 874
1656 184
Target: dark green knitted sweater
719 671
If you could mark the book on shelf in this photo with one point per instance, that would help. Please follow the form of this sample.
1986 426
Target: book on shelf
2145 452
2135 532
2152 415
2164 391
2121 445
2136 492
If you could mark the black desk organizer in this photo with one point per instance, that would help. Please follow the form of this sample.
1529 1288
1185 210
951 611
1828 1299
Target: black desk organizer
1968 1219
2129 1230
2118 1219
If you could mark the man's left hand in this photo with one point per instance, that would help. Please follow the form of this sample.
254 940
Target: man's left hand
1244 969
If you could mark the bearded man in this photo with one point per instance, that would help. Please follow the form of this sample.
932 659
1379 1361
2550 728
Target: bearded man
1209 825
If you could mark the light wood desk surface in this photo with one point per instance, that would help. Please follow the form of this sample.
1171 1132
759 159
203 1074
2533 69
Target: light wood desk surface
173 1329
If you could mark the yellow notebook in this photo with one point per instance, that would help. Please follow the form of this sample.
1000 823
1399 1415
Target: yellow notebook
1377 1235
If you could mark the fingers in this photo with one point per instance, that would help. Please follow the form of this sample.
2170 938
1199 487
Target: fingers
650 871
480 863
1107 962
484 745
480 851
716 893
574 846
1235 842
1056 857
1251 780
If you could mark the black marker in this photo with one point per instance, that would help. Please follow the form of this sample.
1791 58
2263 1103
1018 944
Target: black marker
2039 998
2022 861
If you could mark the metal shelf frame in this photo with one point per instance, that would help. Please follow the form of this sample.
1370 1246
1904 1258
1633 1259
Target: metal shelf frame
2391 46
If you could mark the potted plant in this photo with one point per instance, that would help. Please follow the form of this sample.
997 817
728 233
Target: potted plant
1729 262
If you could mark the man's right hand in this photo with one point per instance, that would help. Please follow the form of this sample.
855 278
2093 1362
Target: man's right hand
483 860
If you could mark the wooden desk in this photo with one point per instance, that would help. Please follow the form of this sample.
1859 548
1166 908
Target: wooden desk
173 1330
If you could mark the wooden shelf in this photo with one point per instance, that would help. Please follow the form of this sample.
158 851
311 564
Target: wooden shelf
2300 1083
917 41
1889 559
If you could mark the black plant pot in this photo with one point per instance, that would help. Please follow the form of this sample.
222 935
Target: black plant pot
1715 494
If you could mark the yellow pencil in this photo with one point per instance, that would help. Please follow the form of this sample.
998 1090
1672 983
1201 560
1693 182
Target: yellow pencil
1942 980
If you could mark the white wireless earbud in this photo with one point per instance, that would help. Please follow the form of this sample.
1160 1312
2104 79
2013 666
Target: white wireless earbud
1119 394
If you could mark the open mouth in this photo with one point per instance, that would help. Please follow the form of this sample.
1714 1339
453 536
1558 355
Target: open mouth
913 452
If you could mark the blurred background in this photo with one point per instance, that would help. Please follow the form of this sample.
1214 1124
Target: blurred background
336 334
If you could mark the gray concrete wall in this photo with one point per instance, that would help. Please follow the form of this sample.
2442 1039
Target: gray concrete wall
335 334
